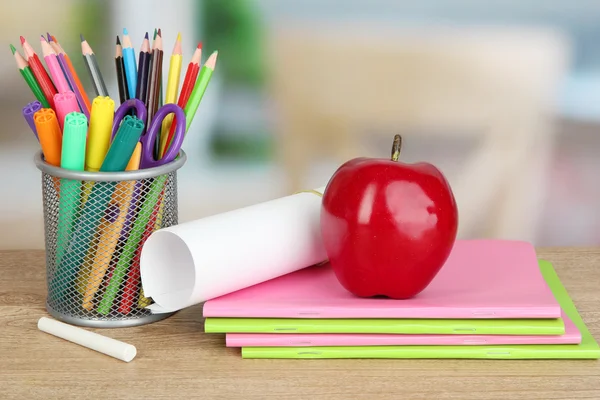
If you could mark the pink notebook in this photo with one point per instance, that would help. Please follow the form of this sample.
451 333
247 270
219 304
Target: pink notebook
481 279
571 336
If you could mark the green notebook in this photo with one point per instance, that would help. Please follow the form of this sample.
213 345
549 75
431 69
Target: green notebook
588 349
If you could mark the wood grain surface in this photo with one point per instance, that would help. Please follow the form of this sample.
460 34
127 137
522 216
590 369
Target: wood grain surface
177 360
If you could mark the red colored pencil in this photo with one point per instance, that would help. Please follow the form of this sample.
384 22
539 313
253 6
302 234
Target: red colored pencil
39 72
191 74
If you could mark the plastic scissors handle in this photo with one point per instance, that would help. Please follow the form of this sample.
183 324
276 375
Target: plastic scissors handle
148 160
123 110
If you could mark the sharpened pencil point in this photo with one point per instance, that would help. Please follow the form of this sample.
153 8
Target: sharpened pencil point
199 45
22 39
43 38
125 31
146 35
118 40
179 36
49 36
12 48
81 37
159 32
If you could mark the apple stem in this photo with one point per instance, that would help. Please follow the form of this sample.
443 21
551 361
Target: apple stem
396 147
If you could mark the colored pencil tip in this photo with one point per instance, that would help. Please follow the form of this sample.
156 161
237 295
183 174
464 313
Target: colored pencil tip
146 35
81 37
42 38
200 45
22 39
118 40
12 48
125 31
49 36
159 32
179 36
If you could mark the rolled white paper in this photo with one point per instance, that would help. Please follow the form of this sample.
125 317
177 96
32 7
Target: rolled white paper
111 347
187 264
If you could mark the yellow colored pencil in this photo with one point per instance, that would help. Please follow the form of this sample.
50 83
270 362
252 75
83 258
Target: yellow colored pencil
172 89
110 235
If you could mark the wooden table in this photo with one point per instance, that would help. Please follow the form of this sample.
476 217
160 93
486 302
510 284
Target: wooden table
176 360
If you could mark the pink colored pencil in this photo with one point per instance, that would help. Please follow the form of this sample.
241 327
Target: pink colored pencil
54 67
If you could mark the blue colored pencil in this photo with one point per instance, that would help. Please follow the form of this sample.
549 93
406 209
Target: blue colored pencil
130 65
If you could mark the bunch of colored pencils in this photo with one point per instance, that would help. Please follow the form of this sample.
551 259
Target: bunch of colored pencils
142 80
75 134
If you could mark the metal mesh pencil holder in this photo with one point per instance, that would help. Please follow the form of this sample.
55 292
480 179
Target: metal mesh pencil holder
95 224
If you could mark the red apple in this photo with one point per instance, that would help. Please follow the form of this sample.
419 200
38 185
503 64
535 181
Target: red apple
388 227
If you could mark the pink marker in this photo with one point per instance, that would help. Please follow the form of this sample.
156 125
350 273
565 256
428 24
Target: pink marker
58 77
65 103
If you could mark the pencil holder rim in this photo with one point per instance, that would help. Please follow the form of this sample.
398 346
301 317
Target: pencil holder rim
109 176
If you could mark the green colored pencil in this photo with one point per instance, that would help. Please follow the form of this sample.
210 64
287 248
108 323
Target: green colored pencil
199 88
26 73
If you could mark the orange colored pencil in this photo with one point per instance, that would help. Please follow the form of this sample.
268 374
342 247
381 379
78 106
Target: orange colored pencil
59 50
39 72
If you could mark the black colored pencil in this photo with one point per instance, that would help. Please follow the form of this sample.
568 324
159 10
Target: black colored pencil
121 79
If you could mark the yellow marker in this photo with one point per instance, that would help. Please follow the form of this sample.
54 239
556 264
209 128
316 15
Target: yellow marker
110 235
172 88
101 121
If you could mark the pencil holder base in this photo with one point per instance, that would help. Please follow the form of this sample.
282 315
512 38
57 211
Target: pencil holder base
112 323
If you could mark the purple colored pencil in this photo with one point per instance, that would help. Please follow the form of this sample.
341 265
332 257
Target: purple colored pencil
28 112
63 63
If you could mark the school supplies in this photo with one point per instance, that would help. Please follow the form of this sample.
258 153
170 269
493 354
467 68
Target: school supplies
94 341
58 77
129 62
99 133
28 112
481 279
65 103
121 79
587 349
49 134
571 336
72 158
189 263
98 224
92 66
39 72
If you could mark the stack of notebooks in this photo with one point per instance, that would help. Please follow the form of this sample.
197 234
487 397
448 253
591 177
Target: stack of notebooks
493 299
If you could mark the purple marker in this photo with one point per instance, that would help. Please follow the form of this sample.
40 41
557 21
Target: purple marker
28 112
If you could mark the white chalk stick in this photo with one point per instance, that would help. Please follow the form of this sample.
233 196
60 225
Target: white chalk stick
111 347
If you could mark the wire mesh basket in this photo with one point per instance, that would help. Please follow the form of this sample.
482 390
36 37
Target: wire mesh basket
95 224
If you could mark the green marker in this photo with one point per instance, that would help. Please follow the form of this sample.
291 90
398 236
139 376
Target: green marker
116 160
199 88
72 158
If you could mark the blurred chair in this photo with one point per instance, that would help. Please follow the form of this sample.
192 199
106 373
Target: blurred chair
331 83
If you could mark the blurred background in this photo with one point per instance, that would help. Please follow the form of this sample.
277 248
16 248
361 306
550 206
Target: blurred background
502 95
